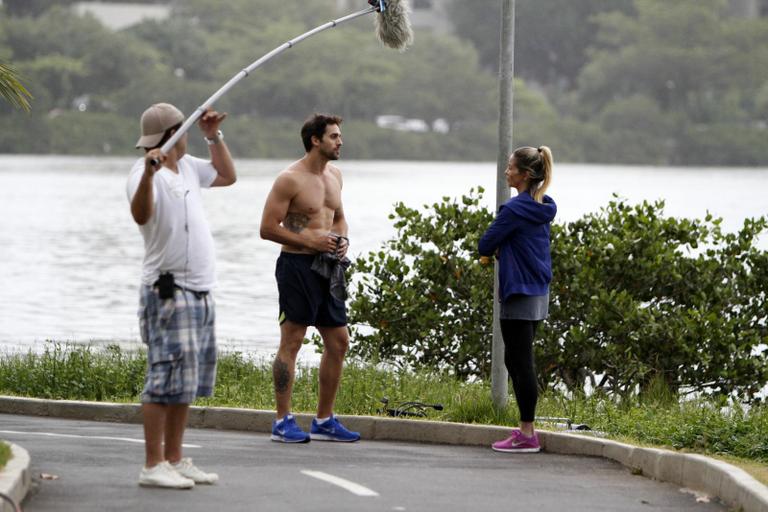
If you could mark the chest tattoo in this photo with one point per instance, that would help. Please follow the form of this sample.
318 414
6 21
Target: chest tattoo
296 222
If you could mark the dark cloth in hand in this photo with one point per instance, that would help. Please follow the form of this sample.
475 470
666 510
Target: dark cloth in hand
328 265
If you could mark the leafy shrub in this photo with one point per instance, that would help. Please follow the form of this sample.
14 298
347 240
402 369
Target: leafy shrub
636 298
424 294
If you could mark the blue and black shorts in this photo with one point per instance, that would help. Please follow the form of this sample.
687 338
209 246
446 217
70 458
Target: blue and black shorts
305 297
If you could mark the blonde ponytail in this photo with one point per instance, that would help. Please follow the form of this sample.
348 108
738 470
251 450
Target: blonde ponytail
546 170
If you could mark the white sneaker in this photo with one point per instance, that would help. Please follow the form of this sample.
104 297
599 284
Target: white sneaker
163 475
188 470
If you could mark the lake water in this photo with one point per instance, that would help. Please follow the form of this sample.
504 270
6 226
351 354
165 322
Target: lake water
70 254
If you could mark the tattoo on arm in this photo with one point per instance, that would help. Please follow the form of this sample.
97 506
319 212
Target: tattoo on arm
281 375
296 222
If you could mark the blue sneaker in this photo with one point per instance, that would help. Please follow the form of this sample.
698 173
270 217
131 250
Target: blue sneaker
332 430
288 431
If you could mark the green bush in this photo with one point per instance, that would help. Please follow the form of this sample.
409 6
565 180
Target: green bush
637 298
424 294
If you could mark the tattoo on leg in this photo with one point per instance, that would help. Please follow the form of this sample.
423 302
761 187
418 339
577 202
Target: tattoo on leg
281 375
296 222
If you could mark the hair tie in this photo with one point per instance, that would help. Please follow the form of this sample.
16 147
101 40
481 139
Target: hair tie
538 149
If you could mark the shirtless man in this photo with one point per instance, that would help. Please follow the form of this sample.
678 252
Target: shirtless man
304 214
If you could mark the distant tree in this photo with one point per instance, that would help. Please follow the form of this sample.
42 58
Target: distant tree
478 22
688 56
347 71
37 7
57 31
54 79
31 7
72 56
238 17
180 45
551 36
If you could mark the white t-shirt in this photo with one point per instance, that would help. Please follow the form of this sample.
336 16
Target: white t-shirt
168 246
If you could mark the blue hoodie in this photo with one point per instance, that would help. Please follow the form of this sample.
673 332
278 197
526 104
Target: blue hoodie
520 232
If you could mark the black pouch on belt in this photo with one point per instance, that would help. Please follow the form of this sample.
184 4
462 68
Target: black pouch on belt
166 286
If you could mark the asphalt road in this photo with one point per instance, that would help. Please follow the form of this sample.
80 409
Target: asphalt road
96 466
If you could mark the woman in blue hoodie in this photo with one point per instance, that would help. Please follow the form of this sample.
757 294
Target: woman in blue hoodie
519 237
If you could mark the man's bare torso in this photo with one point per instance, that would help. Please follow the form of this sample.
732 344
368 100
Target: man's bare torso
314 205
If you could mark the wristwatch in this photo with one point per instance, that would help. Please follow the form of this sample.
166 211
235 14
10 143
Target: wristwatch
215 139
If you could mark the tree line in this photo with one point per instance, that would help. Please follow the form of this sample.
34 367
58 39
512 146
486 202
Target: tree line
616 81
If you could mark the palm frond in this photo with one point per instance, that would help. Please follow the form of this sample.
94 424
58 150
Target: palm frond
12 89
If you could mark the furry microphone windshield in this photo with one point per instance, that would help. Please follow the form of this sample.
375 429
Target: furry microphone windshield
393 24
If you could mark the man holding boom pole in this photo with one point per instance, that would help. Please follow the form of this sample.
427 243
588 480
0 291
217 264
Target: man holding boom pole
304 214
176 309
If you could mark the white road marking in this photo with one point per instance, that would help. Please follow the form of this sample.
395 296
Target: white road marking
74 436
352 487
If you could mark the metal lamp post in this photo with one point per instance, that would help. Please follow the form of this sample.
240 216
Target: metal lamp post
499 377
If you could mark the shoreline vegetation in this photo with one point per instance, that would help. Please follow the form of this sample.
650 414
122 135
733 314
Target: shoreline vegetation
711 426
627 81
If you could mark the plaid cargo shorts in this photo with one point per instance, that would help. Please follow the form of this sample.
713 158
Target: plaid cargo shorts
181 346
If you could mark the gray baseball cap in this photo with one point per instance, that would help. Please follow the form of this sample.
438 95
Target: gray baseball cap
155 121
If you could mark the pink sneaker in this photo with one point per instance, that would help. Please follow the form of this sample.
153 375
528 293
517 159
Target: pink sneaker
518 443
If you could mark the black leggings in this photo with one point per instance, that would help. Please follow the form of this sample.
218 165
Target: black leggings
518 358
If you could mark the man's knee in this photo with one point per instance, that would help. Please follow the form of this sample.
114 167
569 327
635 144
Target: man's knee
292 337
340 347
336 341
291 346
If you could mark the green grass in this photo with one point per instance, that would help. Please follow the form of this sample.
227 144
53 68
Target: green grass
74 372
111 374
5 454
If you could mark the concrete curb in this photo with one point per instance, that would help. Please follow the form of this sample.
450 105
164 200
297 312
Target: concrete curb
731 485
15 478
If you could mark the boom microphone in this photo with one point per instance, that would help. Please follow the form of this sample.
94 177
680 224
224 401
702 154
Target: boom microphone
393 29
393 25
